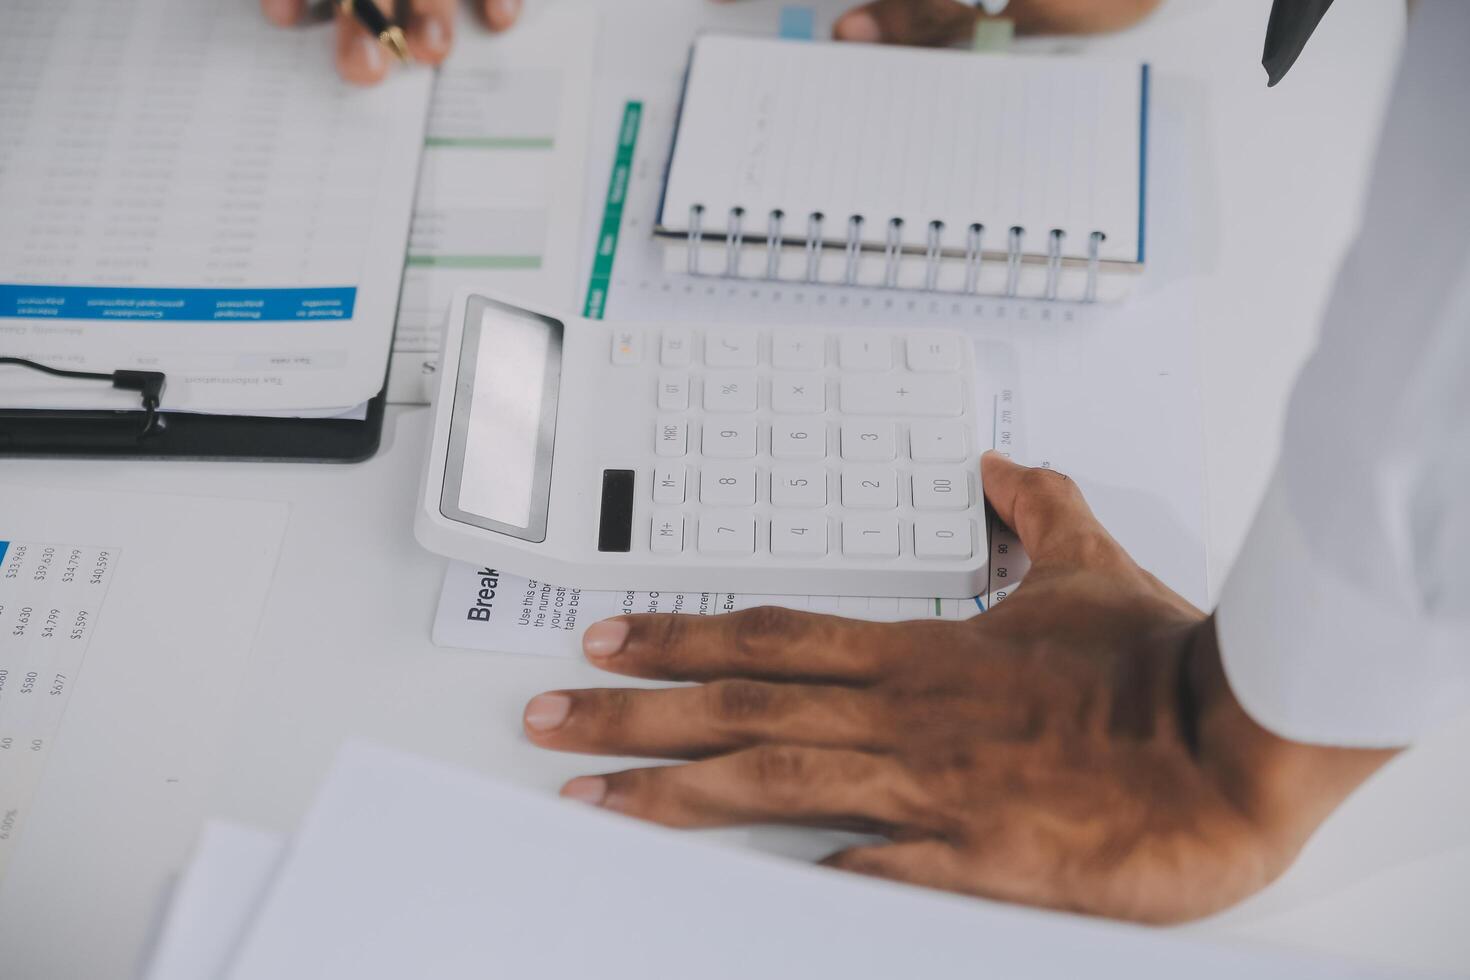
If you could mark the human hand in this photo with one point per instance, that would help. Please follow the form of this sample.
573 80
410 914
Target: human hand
1076 747
938 22
428 26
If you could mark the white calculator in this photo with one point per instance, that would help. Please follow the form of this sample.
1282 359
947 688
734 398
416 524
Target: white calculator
789 460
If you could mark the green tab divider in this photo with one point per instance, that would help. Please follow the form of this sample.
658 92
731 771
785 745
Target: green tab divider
612 213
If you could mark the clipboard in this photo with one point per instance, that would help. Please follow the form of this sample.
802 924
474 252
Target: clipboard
184 435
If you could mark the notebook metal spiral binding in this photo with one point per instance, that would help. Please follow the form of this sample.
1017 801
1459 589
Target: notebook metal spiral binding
1094 242
696 236
892 253
1053 261
814 245
854 249
932 256
773 243
1013 259
734 239
974 257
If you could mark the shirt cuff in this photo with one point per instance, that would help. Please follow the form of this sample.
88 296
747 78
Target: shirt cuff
1316 658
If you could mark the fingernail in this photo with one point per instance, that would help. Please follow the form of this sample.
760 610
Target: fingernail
586 789
436 35
502 13
547 711
605 638
372 54
280 11
859 26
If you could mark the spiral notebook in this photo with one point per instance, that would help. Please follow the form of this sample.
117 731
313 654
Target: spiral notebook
903 168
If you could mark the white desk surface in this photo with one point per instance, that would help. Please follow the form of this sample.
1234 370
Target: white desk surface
343 647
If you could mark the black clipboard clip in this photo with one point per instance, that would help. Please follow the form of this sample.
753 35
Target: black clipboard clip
148 384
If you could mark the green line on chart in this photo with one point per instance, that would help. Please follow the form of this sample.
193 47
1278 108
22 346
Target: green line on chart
612 213
476 261
492 142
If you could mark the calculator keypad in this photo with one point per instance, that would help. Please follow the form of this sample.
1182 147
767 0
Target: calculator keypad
806 445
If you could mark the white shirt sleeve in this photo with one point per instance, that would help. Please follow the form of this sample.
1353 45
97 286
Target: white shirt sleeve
1346 619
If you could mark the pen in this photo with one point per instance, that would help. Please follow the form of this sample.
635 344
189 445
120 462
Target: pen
378 24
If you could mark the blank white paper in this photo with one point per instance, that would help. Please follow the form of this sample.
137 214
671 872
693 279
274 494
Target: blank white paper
411 868
214 900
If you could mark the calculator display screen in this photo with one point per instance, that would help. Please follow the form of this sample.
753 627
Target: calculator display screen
498 474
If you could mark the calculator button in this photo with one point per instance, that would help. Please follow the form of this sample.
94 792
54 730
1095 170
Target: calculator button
868 440
943 537
674 348
671 437
667 534
798 394
941 489
901 393
937 442
727 484
870 538
729 438
798 485
864 351
673 392
627 346
869 488
804 537
727 533
932 352
798 439
798 351
730 348
668 484
729 391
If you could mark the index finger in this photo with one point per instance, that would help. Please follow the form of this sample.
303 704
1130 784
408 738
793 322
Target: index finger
767 643
283 13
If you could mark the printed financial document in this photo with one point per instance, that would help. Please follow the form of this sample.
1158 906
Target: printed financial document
506 138
126 625
187 188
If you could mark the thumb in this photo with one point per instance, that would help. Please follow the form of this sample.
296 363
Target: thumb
1045 509
907 22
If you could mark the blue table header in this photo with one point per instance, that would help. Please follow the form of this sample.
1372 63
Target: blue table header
152 303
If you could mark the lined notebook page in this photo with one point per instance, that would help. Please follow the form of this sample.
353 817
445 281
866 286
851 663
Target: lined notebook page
919 135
